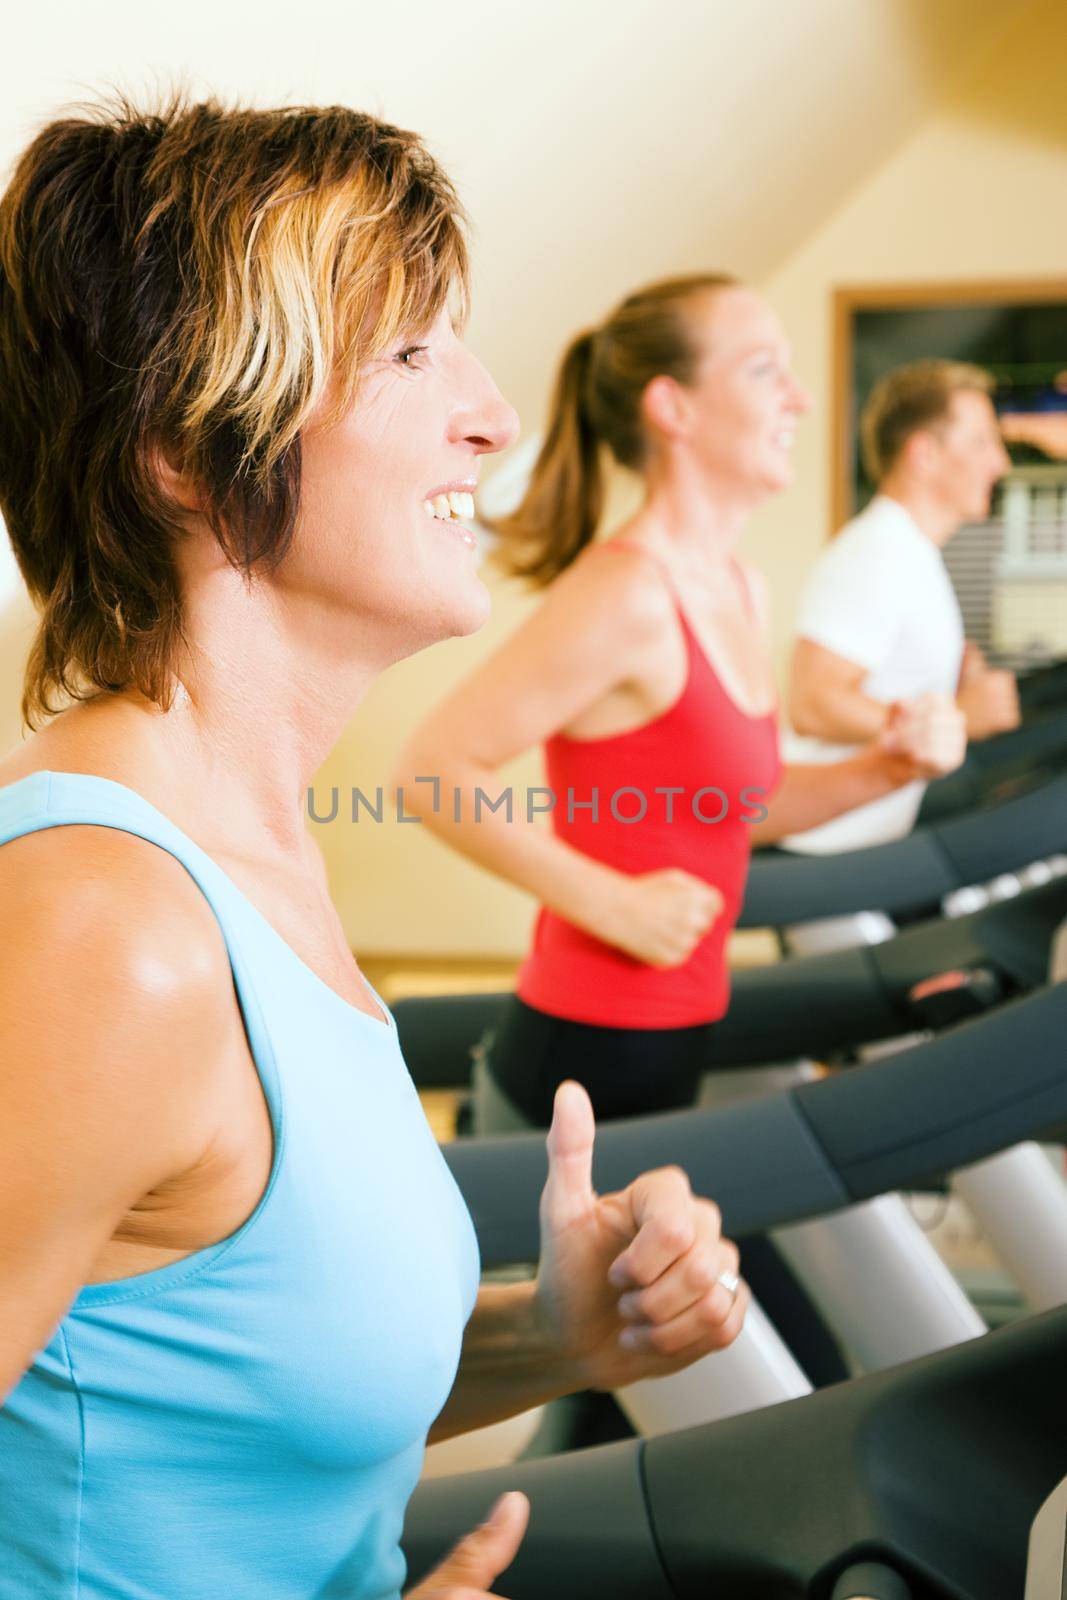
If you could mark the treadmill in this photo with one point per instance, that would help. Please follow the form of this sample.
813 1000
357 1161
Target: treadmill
916 1484
814 1148
993 768
861 1255
910 878
1046 1560
928 976
920 1481
1043 688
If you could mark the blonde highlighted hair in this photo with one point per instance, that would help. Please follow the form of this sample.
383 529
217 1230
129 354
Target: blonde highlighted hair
597 402
199 280
909 399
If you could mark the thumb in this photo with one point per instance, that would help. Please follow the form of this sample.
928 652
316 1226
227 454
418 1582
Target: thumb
480 1557
569 1191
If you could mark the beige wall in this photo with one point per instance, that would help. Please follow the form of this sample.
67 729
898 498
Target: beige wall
1025 610
980 192
17 622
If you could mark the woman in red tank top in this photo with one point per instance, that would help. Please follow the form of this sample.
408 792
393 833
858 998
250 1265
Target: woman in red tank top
646 675
680 791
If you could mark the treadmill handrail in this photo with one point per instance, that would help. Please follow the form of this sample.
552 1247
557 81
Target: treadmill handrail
972 1091
810 1005
911 873
781 1499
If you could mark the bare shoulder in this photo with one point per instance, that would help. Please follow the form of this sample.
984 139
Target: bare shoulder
115 973
114 994
617 586
597 626
85 878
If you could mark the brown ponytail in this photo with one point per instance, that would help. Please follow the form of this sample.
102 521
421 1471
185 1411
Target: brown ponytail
563 501
597 401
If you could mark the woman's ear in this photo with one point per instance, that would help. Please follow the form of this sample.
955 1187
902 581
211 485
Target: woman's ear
175 484
663 407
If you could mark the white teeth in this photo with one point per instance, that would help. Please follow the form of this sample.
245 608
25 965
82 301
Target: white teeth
450 507
460 504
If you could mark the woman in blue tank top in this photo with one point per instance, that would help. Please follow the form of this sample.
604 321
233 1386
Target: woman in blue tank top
238 1288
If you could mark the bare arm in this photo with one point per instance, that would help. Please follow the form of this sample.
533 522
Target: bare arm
987 697
826 700
509 1364
110 1008
923 739
812 794
585 639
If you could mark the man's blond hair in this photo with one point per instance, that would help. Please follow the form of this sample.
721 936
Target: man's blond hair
909 399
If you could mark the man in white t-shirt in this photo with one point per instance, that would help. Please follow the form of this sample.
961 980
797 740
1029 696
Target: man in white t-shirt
879 627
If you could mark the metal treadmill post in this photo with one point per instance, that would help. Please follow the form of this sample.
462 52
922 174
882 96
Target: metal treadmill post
1046 1559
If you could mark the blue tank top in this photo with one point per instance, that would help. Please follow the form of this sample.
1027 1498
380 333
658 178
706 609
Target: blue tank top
247 1423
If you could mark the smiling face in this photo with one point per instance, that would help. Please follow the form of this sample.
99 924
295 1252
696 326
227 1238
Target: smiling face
742 407
387 494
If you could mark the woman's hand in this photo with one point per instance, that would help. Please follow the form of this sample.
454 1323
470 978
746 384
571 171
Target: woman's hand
928 733
659 917
479 1558
629 1284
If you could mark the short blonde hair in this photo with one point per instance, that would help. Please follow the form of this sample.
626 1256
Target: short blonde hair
194 277
908 399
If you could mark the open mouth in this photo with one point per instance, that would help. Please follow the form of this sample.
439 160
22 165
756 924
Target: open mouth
455 506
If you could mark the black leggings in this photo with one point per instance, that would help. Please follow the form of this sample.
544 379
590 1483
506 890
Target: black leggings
633 1072
627 1072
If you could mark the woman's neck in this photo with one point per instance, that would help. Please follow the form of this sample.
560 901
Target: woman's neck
264 692
699 522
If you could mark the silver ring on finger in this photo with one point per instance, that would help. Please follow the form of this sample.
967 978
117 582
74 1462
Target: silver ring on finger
730 1282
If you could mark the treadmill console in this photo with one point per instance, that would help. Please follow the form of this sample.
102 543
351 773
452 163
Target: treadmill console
952 996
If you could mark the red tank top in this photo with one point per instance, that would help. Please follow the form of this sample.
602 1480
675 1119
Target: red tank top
725 765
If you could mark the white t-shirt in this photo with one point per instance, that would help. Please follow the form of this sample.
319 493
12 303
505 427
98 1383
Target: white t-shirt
880 596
